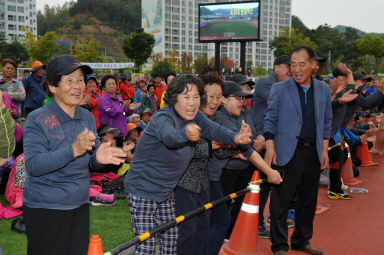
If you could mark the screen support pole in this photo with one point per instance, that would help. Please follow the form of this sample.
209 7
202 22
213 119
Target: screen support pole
242 57
217 57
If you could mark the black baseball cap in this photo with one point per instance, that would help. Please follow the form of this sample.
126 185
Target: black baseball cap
283 59
241 79
362 77
233 88
65 64
320 59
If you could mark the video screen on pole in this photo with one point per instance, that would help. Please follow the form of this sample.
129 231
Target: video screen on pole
235 21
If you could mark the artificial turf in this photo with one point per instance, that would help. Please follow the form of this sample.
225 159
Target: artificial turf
240 29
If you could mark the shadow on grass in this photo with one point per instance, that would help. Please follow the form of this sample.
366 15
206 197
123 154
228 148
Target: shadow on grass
111 223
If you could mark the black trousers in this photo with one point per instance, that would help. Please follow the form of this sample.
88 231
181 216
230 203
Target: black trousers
300 182
231 181
59 232
193 233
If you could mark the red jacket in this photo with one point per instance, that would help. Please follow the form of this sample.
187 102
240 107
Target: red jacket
160 88
93 101
127 91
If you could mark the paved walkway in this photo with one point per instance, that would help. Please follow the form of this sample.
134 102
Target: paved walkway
350 227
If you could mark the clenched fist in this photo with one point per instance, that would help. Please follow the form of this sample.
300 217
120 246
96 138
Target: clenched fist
192 132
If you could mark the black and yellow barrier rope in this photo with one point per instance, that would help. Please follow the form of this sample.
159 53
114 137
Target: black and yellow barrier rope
141 238
334 146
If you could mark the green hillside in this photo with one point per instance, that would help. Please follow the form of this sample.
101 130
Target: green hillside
106 20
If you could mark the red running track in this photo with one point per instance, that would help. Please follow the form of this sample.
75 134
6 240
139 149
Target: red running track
350 227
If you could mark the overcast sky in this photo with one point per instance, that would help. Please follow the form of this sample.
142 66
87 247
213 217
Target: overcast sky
366 15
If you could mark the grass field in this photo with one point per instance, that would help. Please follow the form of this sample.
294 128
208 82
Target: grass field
239 28
111 223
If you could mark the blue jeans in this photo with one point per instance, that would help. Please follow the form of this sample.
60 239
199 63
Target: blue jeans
220 221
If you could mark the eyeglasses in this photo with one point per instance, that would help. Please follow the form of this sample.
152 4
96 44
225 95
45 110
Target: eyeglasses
239 98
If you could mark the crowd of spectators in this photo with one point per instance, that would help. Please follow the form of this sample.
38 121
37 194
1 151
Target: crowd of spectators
188 140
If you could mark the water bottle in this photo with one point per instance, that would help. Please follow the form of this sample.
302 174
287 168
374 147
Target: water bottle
358 190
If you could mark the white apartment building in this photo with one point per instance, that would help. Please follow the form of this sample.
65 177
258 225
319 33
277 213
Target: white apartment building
16 17
175 23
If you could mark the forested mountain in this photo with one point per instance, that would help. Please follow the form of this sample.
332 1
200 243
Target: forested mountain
106 20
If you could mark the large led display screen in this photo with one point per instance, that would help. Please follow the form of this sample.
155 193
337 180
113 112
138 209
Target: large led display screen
235 21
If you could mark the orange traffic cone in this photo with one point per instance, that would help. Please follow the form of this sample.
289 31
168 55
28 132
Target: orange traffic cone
245 233
364 155
347 172
319 208
95 246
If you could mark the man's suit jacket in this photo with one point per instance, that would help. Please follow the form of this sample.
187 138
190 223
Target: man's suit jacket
284 118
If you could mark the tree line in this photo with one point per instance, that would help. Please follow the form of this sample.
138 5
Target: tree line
120 14
360 51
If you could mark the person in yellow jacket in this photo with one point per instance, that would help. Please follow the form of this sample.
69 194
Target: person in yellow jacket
168 78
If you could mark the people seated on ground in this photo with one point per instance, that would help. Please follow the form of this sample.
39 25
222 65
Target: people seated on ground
131 140
145 118
338 156
108 134
148 101
369 88
135 118
109 175
367 102
361 122
14 191
112 107
7 146
355 140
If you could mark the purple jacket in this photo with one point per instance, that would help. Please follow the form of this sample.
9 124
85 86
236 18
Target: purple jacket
111 112
9 104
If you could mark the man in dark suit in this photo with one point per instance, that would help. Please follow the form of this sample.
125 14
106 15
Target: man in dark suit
297 128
